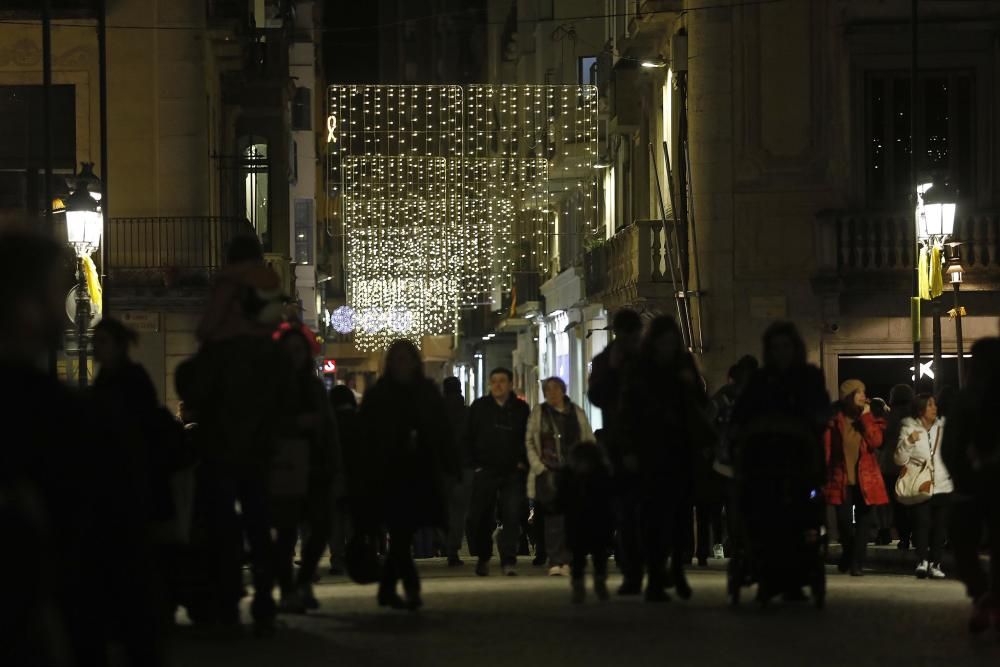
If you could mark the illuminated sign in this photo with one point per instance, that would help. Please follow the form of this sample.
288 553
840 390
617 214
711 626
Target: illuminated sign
329 366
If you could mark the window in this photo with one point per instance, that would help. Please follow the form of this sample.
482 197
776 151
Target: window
587 70
304 230
302 110
254 171
945 133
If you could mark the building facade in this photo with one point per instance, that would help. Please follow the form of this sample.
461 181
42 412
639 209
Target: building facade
203 143
759 166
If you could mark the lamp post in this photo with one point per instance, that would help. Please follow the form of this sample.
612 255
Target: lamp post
935 221
955 272
84 228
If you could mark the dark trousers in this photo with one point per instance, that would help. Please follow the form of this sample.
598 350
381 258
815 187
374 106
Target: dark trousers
489 489
930 527
901 515
969 519
399 565
708 516
657 523
628 538
218 490
313 514
458 512
853 521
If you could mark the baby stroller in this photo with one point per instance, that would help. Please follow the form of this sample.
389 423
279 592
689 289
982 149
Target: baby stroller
777 517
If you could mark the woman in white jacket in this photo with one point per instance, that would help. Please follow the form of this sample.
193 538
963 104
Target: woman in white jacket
554 428
919 441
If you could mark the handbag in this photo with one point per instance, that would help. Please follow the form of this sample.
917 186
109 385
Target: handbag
915 483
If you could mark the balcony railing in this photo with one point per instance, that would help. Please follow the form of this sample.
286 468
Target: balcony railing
861 243
168 252
634 264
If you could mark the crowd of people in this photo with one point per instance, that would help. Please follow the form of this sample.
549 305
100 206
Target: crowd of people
132 512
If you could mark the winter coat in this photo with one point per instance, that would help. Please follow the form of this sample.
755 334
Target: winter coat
887 454
408 430
970 446
243 390
663 428
538 425
869 473
920 451
495 436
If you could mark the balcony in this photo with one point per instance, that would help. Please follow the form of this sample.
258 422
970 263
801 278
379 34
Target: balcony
157 256
863 251
633 267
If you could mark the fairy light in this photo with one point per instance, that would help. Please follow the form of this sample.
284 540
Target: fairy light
444 192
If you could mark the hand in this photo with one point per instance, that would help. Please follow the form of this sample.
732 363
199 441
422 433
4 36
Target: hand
914 437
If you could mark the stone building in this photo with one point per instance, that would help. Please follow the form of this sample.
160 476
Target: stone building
205 140
787 124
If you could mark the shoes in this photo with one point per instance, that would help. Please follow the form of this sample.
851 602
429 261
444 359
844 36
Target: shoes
455 561
903 545
844 565
483 568
795 595
308 597
567 571
413 599
936 572
336 571
601 588
982 610
702 562
391 599
718 552
923 569
556 571
630 587
540 561
856 571
579 595
509 570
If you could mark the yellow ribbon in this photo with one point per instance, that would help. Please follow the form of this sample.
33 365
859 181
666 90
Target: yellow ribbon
93 284
936 275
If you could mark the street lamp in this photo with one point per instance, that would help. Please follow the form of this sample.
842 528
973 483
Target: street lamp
954 272
84 228
935 223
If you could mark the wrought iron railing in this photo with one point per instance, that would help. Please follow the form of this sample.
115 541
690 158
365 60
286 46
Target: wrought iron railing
168 252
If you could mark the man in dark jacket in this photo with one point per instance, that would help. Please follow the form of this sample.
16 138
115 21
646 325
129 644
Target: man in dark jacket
494 443
458 504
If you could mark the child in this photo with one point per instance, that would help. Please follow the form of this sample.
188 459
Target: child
586 494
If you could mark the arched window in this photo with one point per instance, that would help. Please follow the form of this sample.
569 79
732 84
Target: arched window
256 196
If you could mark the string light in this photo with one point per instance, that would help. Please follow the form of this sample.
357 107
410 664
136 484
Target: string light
444 192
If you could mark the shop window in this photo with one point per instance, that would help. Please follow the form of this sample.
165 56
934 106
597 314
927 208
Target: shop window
945 121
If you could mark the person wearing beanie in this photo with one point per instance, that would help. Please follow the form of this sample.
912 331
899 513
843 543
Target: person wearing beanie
854 479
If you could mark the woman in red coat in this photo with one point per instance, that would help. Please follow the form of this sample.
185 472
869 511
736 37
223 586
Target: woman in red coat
853 478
